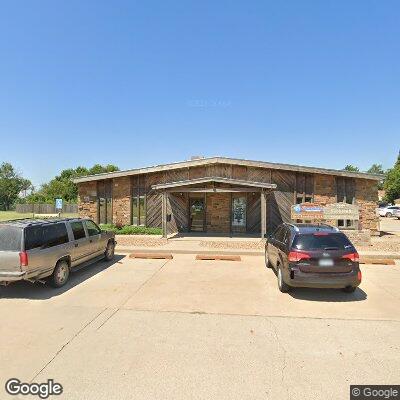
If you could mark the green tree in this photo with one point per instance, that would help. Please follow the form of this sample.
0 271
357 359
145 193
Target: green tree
376 169
392 182
351 168
11 185
62 185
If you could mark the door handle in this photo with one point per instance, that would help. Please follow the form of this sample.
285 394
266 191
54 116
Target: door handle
76 245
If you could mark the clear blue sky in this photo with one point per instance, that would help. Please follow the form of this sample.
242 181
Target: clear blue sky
137 83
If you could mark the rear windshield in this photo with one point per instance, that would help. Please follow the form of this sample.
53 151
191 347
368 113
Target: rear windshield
10 238
331 241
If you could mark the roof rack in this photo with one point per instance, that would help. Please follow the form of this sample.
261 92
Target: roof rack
33 221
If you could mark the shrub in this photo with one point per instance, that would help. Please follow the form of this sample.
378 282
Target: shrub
131 230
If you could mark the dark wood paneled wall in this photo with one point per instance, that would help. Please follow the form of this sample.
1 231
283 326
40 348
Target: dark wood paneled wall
254 212
279 201
178 208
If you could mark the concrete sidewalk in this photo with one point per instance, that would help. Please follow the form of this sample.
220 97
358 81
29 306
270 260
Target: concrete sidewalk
195 247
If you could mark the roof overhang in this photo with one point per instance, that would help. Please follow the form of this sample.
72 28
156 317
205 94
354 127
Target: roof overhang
237 185
229 161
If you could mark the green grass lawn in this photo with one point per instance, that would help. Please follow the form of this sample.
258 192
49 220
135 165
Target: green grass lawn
7 215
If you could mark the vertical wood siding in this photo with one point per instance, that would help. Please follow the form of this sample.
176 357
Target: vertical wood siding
177 206
153 209
254 212
281 200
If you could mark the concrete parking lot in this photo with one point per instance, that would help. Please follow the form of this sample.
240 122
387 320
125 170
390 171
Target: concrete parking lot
186 329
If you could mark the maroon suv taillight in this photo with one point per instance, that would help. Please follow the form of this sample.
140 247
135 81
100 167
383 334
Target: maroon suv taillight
352 257
23 258
295 256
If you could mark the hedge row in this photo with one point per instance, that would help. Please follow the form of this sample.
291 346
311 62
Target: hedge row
131 230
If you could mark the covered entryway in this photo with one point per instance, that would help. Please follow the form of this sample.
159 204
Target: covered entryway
213 204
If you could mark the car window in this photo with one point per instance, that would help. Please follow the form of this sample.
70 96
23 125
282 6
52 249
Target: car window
92 228
45 236
54 235
33 237
321 241
78 230
10 238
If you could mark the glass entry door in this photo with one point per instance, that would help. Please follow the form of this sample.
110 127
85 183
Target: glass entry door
197 214
239 213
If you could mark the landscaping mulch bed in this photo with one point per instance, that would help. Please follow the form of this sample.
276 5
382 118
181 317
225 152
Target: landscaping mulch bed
387 243
140 241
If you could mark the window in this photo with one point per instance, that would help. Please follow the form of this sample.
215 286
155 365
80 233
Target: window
48 235
33 237
92 228
104 200
345 193
10 238
54 235
333 241
138 214
78 230
304 190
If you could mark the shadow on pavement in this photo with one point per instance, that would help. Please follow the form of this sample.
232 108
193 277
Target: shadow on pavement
39 291
327 295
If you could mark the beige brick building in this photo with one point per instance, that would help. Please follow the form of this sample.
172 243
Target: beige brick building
223 195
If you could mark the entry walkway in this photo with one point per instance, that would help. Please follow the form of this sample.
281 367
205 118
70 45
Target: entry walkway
193 244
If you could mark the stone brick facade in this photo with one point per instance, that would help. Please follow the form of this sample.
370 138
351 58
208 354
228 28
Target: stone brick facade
366 198
218 205
87 200
324 189
218 218
122 201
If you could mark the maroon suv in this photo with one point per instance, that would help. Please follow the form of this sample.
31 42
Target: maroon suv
310 255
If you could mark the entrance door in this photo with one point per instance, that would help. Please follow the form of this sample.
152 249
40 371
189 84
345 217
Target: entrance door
197 215
239 213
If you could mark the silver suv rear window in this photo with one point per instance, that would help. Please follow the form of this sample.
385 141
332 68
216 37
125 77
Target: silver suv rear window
10 238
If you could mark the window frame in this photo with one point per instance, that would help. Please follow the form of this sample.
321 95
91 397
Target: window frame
87 228
138 193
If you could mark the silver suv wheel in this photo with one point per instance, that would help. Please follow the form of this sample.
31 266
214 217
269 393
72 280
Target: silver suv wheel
60 274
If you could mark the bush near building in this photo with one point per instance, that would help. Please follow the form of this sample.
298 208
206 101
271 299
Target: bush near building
131 230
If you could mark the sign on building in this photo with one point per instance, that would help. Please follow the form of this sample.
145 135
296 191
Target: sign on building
307 211
341 211
310 211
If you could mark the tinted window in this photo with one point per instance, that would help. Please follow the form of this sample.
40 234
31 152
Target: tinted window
10 238
78 230
54 235
45 236
33 237
92 228
321 242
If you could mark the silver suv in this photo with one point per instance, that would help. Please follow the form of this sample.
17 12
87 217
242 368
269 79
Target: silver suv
36 249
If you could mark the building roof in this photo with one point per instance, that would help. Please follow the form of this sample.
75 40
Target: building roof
230 161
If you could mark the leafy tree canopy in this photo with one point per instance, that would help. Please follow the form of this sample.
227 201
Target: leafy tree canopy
11 184
62 186
376 169
392 182
351 168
